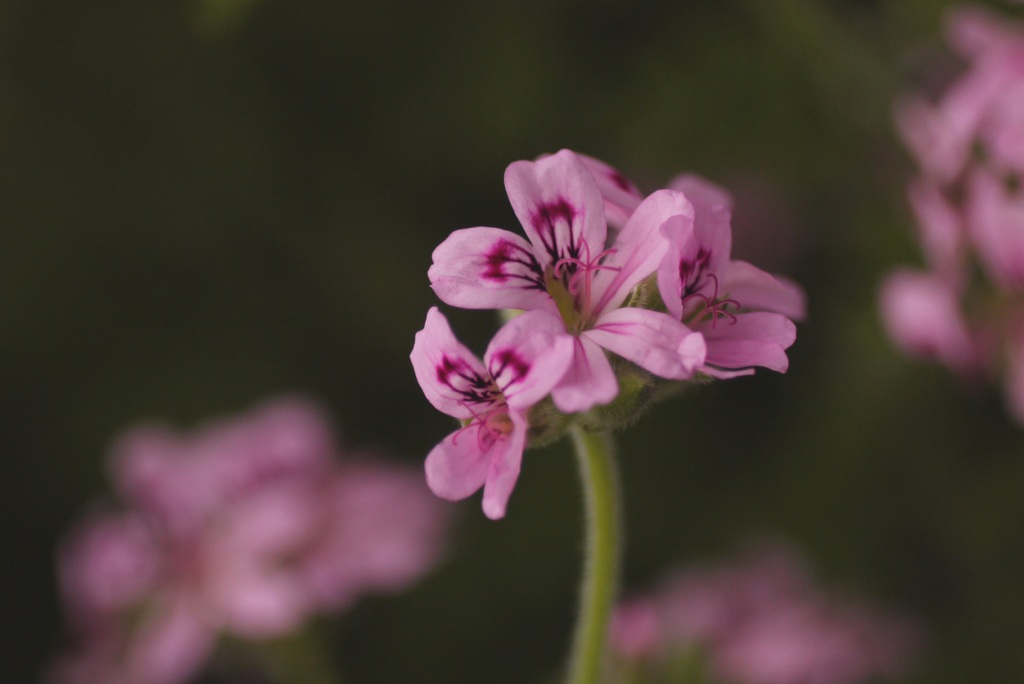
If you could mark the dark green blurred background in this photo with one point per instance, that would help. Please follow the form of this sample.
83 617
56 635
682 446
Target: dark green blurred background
204 204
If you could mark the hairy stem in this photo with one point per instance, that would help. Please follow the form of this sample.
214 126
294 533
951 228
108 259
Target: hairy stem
594 451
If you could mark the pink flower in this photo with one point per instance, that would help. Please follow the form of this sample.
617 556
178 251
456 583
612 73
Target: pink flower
742 312
246 527
922 314
984 107
761 621
621 196
523 362
970 209
565 271
995 221
636 630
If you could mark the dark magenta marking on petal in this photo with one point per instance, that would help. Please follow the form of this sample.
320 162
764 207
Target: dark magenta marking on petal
621 181
496 259
501 262
546 220
508 361
460 378
692 272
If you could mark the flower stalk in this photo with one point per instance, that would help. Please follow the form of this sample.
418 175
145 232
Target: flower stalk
596 458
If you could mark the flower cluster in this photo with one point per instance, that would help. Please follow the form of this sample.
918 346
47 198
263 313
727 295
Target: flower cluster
756 621
965 309
616 289
245 528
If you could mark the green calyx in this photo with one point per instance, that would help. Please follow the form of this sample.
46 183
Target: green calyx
638 391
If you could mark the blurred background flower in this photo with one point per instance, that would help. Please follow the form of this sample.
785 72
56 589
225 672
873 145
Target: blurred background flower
247 528
197 213
965 311
756 620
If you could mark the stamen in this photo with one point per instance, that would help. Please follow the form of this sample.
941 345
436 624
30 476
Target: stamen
485 421
717 307
584 268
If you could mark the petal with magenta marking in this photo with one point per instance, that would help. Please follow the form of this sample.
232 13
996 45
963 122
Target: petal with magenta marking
450 375
621 196
488 268
528 356
557 201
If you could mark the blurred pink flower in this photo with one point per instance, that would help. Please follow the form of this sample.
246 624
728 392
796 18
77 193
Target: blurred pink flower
248 527
983 108
969 207
922 314
761 621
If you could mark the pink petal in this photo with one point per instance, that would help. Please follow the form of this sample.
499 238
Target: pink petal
651 340
973 30
670 280
1004 130
108 563
923 317
557 201
940 226
506 458
528 356
939 146
967 108
621 197
754 339
167 478
488 268
996 222
636 629
692 263
756 290
458 466
704 195
449 374
589 381
383 530
712 206
259 600
640 247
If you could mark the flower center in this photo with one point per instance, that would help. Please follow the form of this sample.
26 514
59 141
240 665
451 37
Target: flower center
711 305
570 284
493 423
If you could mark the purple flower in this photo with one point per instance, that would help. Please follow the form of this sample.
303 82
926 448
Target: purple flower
523 362
565 271
760 621
246 527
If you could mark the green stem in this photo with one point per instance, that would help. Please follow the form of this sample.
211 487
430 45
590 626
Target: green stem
595 455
